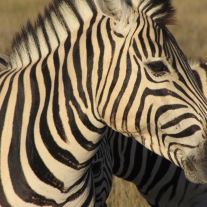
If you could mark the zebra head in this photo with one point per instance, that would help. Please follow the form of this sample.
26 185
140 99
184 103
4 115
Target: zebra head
149 91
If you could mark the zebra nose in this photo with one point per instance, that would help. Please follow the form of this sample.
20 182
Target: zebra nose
195 165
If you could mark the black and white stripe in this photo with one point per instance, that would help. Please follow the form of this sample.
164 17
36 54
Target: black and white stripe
161 182
85 65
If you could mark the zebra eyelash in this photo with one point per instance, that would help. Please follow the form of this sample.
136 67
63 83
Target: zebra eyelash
158 68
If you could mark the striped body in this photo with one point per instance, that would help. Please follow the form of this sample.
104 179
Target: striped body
83 67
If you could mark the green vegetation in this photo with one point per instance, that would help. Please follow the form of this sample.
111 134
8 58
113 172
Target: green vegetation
189 32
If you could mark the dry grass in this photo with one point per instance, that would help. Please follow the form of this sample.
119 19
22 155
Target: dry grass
14 14
125 194
190 34
191 30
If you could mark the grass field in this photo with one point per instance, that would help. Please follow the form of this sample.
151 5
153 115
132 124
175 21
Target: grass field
190 32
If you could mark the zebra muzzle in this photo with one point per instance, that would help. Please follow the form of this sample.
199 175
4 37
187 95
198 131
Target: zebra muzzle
195 165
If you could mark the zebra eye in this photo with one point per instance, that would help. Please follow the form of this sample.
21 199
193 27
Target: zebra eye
157 67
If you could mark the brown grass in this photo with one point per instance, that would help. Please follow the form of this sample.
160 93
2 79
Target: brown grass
190 34
14 14
191 30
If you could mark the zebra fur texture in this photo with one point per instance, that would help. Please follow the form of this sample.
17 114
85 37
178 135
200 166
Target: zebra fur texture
83 67
160 182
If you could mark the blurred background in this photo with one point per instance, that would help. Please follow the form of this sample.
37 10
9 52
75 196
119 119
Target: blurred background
190 33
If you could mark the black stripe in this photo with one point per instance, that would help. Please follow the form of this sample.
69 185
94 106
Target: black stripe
186 69
121 92
151 164
59 154
157 34
149 125
56 107
151 44
3 200
185 133
136 50
156 93
114 80
20 185
35 161
178 119
5 104
185 190
141 40
163 109
91 193
115 145
179 145
126 154
77 54
90 64
102 52
198 79
84 179
172 183
88 145
132 97
188 96
112 44
138 155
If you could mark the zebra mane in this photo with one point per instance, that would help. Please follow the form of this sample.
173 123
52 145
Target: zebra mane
200 63
22 50
163 12
21 53
167 12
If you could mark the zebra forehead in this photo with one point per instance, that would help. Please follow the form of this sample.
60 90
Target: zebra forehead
161 11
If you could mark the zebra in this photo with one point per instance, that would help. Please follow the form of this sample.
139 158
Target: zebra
84 68
111 155
160 182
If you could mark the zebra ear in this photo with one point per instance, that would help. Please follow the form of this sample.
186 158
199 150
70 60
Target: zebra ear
122 14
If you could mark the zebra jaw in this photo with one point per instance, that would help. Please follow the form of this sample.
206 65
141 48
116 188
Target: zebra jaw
194 165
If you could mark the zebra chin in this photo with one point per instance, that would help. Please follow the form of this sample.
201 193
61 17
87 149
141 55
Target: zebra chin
195 166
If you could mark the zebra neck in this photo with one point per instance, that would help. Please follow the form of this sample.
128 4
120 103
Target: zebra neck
64 125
